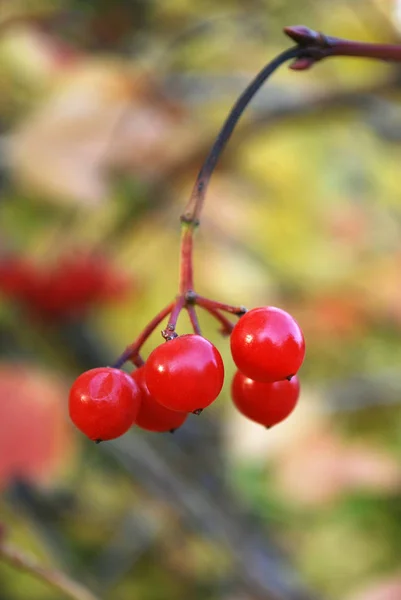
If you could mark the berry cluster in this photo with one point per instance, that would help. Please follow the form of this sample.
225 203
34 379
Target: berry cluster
68 288
268 348
186 374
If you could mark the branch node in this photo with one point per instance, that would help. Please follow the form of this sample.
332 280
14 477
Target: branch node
188 219
169 333
304 36
190 297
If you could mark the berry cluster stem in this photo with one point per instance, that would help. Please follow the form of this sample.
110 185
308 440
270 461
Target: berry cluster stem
132 351
192 212
169 332
186 261
206 303
311 47
193 317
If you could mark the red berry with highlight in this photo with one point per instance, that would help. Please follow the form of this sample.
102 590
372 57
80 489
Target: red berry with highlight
265 403
104 403
152 416
267 344
185 373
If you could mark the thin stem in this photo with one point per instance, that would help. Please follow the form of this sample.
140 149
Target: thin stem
55 579
193 209
227 325
341 47
186 266
315 46
206 303
193 318
311 47
131 351
138 361
169 332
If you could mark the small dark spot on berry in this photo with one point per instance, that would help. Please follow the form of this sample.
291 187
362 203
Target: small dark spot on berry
173 430
198 411
98 441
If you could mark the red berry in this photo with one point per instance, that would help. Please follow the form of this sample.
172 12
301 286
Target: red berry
185 374
19 278
104 403
67 289
152 415
267 344
265 403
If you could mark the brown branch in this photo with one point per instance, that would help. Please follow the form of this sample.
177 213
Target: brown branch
297 106
51 577
319 102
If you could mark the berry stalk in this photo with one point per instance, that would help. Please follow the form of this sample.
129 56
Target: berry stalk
190 218
192 212
226 325
206 303
311 47
193 317
132 351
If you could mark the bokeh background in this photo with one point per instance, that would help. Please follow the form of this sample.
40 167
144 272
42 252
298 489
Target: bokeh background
107 110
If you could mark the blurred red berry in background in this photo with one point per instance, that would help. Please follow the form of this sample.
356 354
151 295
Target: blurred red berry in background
36 437
69 288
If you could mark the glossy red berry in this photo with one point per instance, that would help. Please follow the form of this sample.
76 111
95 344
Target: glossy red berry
185 374
152 416
104 403
267 344
265 403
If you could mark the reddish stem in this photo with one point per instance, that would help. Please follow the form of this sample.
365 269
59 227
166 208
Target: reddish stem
131 352
193 318
186 268
227 325
138 361
206 303
169 332
315 46
364 50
